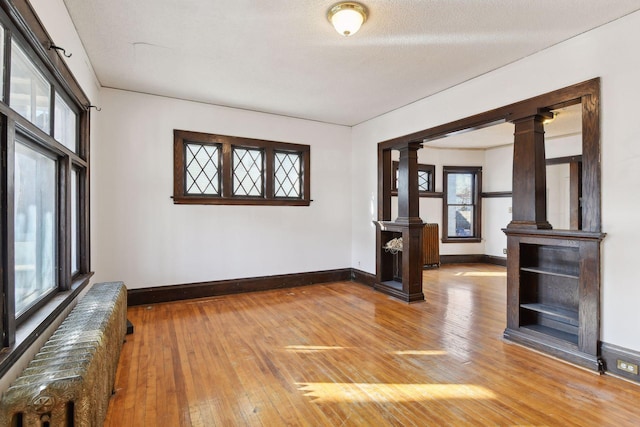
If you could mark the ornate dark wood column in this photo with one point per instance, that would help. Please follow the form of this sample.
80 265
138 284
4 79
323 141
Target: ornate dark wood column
408 197
529 174
409 226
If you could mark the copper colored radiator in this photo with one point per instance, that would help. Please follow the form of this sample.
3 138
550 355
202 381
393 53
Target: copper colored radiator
70 380
431 245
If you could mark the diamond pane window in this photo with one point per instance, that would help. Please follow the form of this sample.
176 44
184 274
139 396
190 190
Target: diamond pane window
424 181
202 169
248 172
288 175
30 92
213 169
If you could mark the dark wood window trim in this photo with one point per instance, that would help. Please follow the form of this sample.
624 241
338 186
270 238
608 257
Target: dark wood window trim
476 171
495 194
430 169
226 176
23 26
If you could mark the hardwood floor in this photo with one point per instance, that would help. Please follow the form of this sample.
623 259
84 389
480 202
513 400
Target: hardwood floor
342 354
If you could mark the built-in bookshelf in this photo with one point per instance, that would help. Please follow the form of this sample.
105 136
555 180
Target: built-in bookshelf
554 301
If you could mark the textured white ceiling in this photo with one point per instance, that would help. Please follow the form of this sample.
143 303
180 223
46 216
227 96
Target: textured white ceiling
283 56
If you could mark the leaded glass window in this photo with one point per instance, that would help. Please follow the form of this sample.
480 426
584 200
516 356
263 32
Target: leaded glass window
248 172
229 170
288 175
424 181
202 169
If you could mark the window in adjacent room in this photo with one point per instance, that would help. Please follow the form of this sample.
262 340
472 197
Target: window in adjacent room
220 169
426 179
461 207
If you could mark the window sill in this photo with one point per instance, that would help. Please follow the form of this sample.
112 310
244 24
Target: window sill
239 201
31 329
428 194
461 240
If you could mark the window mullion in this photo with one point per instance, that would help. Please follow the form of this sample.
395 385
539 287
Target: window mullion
8 232
84 246
52 110
269 173
7 66
227 170
64 227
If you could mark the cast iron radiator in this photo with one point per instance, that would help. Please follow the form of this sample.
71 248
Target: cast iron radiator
431 245
70 380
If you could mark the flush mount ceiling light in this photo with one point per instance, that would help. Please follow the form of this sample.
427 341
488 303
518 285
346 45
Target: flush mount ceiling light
347 17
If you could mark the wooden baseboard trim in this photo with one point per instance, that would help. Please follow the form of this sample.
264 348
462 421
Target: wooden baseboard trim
461 259
612 353
225 287
473 259
495 260
363 277
554 348
169 293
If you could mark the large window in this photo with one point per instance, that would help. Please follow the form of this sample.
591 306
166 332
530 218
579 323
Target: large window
219 169
44 191
461 207
34 226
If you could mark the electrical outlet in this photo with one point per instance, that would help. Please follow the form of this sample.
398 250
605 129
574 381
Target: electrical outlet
510 209
627 367
504 251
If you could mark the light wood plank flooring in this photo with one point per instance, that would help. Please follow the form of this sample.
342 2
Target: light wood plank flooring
342 354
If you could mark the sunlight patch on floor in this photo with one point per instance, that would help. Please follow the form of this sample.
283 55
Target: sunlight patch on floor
364 392
483 274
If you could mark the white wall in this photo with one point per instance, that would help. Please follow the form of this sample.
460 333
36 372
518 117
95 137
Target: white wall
603 52
144 239
496 214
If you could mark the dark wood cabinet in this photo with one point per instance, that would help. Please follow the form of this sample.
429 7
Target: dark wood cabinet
553 293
